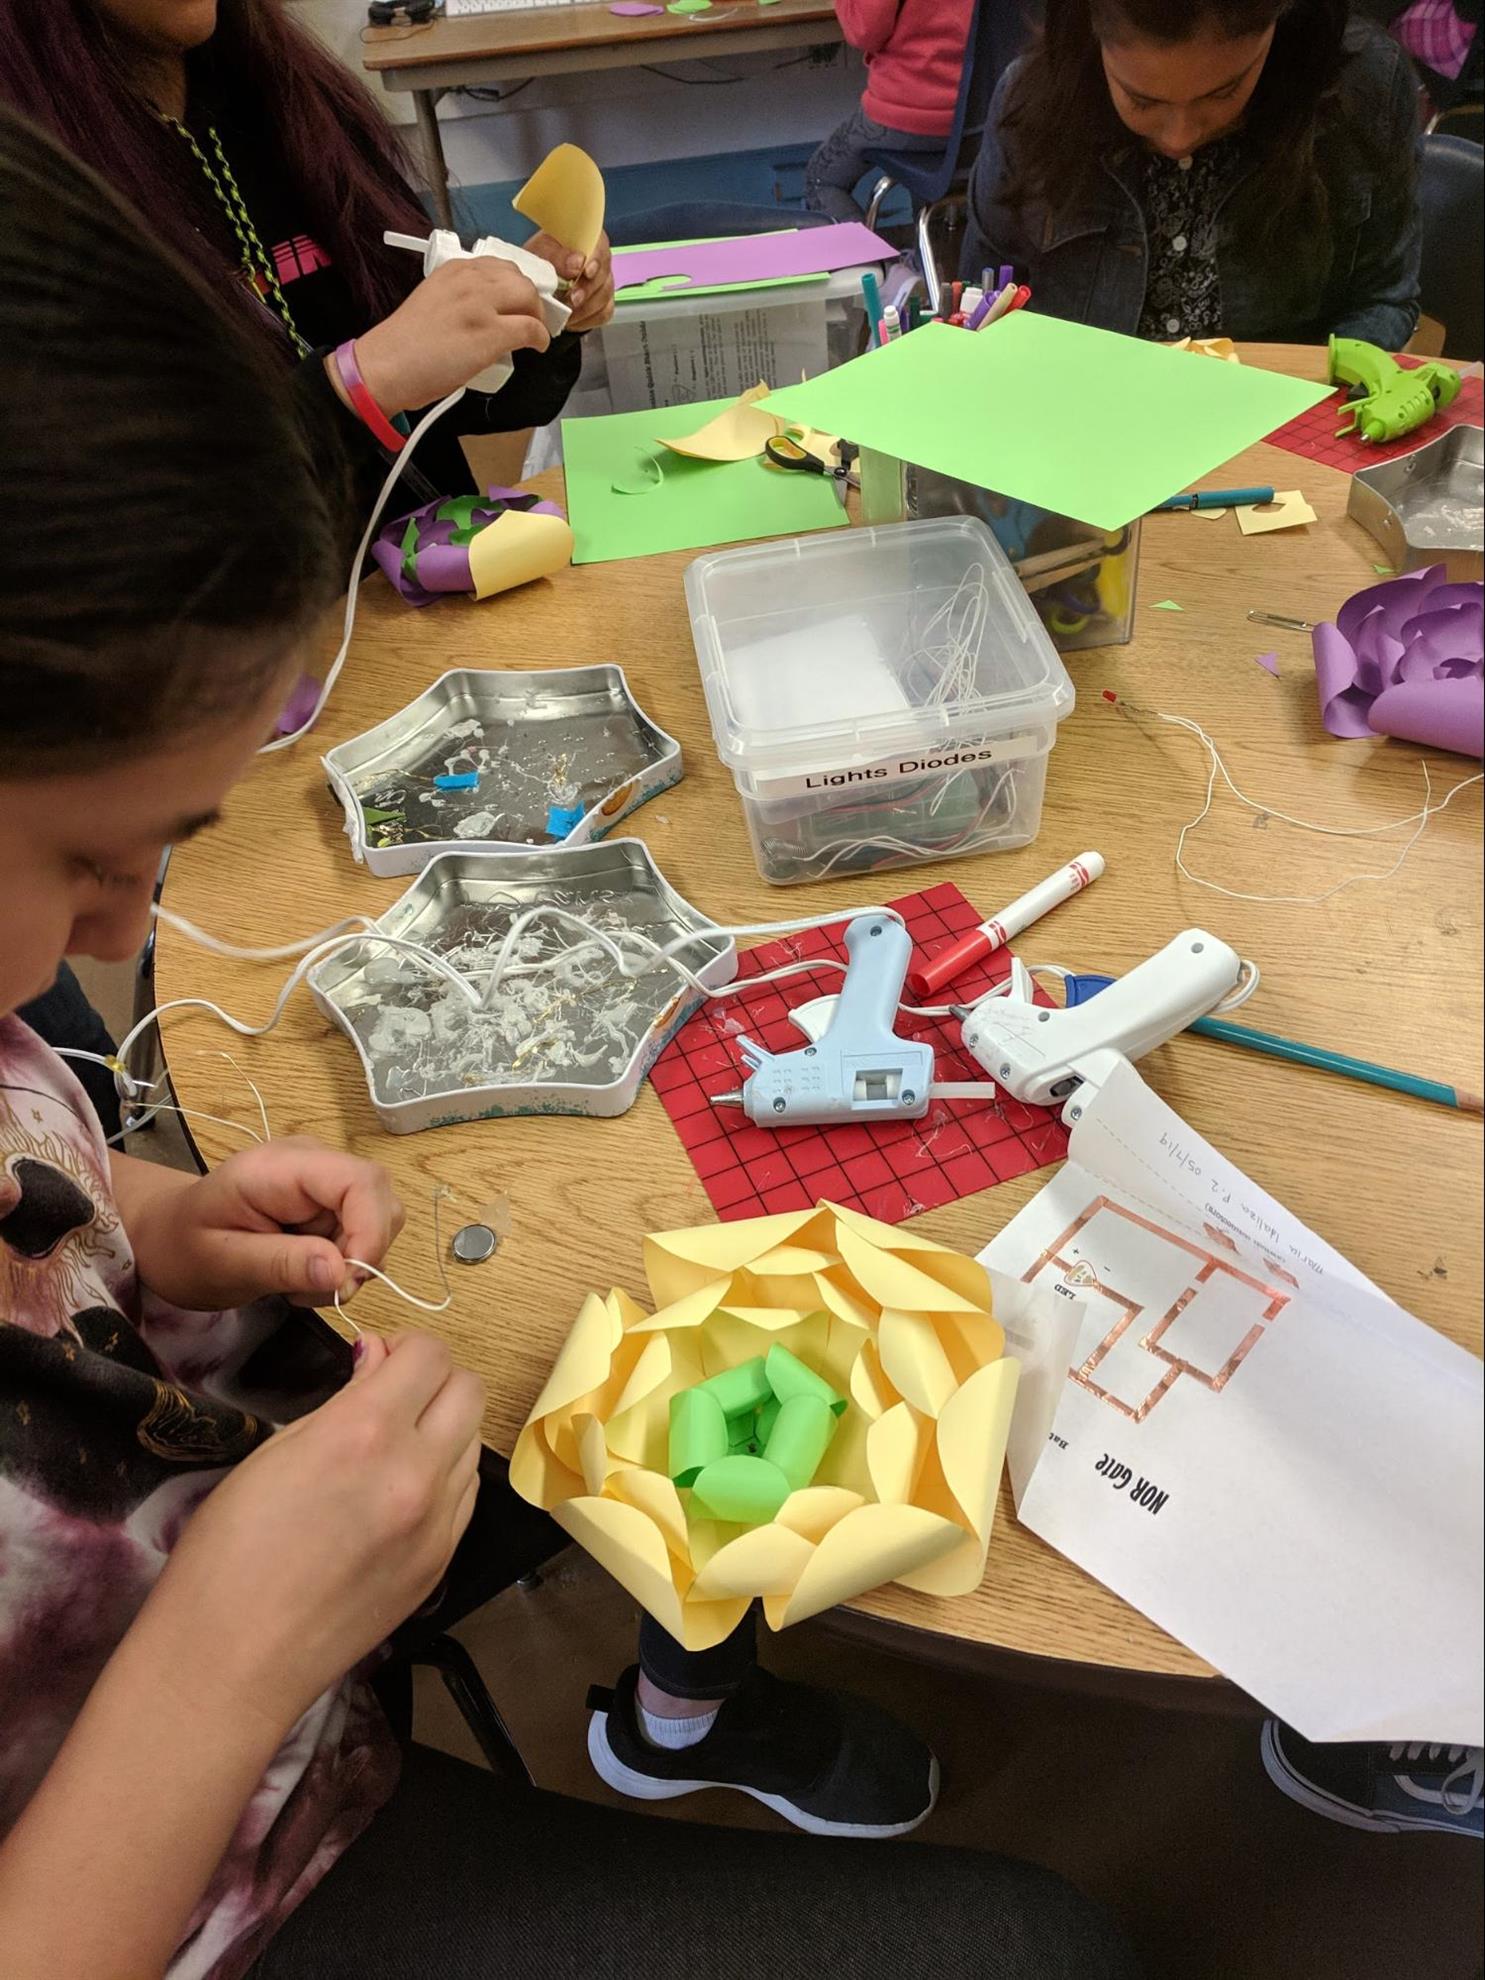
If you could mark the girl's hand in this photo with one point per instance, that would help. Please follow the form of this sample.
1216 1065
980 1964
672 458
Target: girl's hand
313 1549
281 1218
592 297
462 317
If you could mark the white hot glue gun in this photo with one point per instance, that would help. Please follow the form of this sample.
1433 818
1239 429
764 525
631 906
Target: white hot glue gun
442 246
1041 1056
855 1067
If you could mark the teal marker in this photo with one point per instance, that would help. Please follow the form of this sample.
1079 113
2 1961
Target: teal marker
1339 1062
873 297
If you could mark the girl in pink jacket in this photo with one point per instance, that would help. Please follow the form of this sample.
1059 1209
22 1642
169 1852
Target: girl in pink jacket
914 53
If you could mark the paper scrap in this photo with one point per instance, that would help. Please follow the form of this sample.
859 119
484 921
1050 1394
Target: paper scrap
1215 347
1344 1593
1287 509
1168 605
633 9
565 198
754 257
516 548
737 434
1268 660
698 503
1083 422
639 477
689 7
1385 570
914 1501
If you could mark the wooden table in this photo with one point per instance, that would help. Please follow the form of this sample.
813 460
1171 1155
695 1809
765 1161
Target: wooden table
1391 971
562 40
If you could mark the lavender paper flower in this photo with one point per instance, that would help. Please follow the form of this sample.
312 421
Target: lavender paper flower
1404 658
425 555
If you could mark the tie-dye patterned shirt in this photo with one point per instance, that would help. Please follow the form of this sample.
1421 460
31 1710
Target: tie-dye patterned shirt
118 1414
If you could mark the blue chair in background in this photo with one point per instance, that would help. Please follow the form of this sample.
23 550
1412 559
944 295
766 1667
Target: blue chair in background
1451 193
933 177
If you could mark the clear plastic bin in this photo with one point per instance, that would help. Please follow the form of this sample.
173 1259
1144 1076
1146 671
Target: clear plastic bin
1080 579
882 697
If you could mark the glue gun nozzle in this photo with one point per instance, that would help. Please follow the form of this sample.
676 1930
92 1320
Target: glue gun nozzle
726 1099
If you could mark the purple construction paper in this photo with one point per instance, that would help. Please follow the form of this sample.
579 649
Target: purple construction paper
1269 660
443 565
1406 658
299 706
1444 714
632 9
756 257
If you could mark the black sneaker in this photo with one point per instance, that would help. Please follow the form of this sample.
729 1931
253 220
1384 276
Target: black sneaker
1377 1786
827 1762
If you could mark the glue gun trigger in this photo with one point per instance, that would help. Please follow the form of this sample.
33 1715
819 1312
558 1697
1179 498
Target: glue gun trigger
814 1018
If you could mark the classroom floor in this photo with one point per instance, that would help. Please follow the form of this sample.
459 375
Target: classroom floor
1166 1816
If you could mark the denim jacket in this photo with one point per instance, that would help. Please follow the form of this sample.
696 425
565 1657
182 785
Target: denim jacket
1353 275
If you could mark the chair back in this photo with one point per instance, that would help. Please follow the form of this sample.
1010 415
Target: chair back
1451 194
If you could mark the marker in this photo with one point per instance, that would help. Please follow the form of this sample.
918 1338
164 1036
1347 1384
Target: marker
969 302
979 313
994 934
891 324
958 288
1006 276
873 298
1023 297
1001 306
1217 498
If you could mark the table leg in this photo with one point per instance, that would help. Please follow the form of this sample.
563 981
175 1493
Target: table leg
425 108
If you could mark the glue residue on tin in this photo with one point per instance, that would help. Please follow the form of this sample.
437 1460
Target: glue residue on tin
577 1022
517 766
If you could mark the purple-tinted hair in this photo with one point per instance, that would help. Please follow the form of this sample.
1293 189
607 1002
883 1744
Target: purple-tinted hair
67 67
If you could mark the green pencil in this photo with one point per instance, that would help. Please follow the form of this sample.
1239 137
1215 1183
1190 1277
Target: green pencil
1339 1062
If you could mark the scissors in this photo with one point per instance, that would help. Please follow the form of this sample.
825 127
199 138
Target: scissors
786 452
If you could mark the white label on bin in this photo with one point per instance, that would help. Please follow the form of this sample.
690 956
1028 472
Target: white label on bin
899 769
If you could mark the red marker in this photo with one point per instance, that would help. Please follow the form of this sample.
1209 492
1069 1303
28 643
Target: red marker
1023 297
992 935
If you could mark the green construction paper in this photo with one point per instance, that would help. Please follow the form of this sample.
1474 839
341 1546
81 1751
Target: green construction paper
699 503
801 1434
689 7
768 1416
1083 422
746 1491
740 1390
660 287
1168 605
698 1434
1385 570
788 1376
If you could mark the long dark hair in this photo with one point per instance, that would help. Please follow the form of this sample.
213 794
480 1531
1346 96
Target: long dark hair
65 65
167 532
1060 118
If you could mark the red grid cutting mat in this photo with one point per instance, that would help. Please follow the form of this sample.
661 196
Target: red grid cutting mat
1313 433
891 1170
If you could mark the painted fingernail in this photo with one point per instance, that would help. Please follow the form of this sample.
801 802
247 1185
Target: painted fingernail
324 1274
358 1350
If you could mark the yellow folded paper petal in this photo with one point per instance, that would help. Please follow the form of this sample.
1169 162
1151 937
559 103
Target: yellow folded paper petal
687 1311
841 1352
895 1445
970 1340
892 1281
737 434
634 1552
882 1543
583 1360
628 1312
791 1261
652 1493
913 1360
641 1434
841 1301
871 1392
592 1452
772 1319
972 1455
886 1237
565 198
768 1560
816 1509
651 1368
716 1249
517 548
537 1473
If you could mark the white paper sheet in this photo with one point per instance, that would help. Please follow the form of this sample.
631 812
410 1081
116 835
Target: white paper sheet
1253 1445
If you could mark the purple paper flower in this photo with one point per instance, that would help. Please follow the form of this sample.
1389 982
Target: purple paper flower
425 555
1404 658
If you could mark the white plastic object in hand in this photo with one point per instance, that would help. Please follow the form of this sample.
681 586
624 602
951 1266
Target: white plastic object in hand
1034 1053
443 245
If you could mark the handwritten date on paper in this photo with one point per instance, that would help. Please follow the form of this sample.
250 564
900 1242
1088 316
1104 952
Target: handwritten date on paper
1121 1476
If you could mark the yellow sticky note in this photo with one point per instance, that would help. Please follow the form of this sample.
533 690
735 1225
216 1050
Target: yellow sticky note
734 435
517 547
565 198
1288 508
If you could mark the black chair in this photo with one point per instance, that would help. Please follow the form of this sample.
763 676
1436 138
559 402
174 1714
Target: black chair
1451 195
931 177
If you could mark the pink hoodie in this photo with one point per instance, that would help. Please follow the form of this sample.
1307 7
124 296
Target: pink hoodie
915 54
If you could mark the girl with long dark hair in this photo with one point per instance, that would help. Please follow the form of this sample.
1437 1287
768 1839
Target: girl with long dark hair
256 155
1175 168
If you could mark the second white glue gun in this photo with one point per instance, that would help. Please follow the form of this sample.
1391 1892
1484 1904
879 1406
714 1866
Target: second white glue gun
442 245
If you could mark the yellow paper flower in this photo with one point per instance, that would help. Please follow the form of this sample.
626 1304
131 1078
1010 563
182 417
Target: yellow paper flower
906 1491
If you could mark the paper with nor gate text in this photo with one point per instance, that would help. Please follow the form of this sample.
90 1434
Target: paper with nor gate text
1253 1445
1083 422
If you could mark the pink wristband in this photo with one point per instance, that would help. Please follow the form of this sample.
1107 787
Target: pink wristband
368 411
